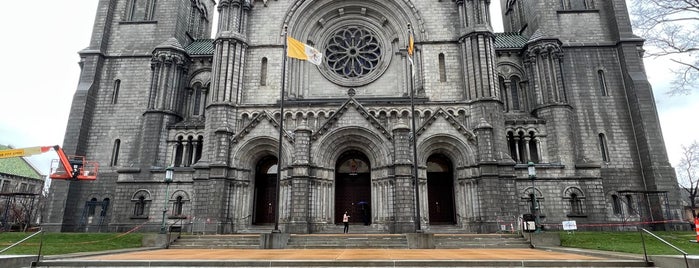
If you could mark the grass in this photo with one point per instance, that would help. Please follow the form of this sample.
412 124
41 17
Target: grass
64 243
630 242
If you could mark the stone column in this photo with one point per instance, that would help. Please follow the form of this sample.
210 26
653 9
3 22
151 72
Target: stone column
404 202
300 206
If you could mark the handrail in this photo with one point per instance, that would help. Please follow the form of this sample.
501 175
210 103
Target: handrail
21 241
169 233
641 230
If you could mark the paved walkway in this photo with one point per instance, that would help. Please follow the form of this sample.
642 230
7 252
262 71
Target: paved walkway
343 254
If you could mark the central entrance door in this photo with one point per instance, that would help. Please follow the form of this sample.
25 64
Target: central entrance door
353 188
440 190
265 189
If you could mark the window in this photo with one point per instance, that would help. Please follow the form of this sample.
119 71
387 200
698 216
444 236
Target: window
140 10
115 93
263 72
115 153
23 187
442 68
105 206
577 4
91 207
140 202
603 147
616 205
354 55
602 83
179 203
189 151
179 148
629 204
533 204
514 89
533 148
140 206
576 205
503 93
5 186
575 199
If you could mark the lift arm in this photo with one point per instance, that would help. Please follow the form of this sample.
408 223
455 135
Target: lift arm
63 168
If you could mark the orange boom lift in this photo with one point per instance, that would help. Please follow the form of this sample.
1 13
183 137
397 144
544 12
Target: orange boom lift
63 168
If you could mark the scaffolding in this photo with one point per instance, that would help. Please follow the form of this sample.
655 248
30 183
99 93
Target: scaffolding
17 211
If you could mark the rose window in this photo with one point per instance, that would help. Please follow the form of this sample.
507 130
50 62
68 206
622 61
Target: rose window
353 52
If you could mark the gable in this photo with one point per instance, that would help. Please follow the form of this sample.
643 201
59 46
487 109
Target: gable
351 113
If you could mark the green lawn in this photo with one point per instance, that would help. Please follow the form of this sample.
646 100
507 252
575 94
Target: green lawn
63 243
631 242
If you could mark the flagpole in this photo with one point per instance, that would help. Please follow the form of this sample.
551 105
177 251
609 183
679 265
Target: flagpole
418 224
281 130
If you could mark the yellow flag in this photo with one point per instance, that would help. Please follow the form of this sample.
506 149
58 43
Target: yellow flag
296 49
411 45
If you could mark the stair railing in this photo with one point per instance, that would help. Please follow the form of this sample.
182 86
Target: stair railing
645 253
41 243
169 232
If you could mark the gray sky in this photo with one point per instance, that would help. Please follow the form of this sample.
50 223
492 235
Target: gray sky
40 73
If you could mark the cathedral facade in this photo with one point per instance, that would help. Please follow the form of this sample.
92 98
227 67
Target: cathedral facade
562 91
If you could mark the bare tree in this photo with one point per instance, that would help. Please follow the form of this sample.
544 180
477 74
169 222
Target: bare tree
688 173
670 27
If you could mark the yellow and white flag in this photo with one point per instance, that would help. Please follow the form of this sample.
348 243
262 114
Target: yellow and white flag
411 47
296 49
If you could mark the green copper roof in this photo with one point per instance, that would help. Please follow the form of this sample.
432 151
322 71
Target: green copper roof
509 40
200 47
18 166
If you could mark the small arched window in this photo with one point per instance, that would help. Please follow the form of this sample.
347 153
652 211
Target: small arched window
105 206
179 149
575 198
115 92
514 92
263 72
115 153
140 206
629 204
91 207
179 203
604 150
616 205
442 68
576 204
602 83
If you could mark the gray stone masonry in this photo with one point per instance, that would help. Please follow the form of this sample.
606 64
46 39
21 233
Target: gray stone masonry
147 100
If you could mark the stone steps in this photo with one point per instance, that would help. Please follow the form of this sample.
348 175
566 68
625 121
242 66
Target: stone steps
346 241
217 242
447 241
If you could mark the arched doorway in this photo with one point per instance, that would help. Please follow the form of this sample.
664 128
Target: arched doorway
440 190
353 187
265 190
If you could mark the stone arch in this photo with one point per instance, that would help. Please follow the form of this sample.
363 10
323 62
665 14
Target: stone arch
201 76
400 13
460 153
339 140
252 151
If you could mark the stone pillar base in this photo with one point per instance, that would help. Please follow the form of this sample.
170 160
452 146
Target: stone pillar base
420 241
274 240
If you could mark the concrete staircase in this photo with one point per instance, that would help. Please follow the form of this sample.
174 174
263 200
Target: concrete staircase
347 241
446 241
244 241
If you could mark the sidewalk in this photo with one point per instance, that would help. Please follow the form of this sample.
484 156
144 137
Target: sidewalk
344 254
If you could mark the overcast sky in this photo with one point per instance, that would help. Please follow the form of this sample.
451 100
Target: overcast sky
39 75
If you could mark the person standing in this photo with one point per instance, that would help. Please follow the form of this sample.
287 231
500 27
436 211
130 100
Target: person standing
345 220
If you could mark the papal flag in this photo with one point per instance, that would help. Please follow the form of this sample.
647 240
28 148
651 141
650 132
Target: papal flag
296 49
411 47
